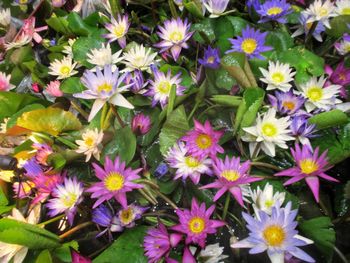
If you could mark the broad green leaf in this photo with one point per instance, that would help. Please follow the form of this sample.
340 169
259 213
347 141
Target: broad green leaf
3 198
83 45
329 119
174 128
123 145
127 248
59 24
44 257
172 97
186 78
339 26
235 64
12 121
223 80
168 187
56 160
22 54
321 231
72 85
227 100
51 120
63 252
223 30
279 40
77 25
204 27
238 24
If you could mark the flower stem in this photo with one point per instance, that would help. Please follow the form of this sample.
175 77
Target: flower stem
166 199
54 219
75 229
266 165
227 203
121 122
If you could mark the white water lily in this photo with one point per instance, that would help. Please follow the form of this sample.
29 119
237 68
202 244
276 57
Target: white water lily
5 17
212 254
14 251
90 144
278 76
103 56
68 50
321 11
138 57
342 7
63 68
215 7
269 131
318 96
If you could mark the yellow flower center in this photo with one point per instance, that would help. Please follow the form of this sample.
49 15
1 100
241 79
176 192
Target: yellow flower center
345 11
230 175
107 87
269 203
176 36
308 166
69 200
277 77
89 141
22 2
126 216
119 31
269 129
323 12
289 105
315 93
114 181
203 141
164 87
309 25
210 59
274 11
249 45
191 162
65 70
342 76
274 235
196 225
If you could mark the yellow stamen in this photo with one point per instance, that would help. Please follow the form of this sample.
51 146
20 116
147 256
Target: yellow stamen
203 141
249 45
126 216
230 175
277 77
323 12
315 93
164 87
89 141
269 129
196 225
345 11
274 11
69 200
210 59
289 105
274 235
119 31
65 70
176 36
107 87
114 181
191 162
308 166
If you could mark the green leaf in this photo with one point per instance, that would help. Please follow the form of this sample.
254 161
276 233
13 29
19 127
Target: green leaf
31 236
72 85
279 40
127 248
174 128
329 119
63 252
204 27
56 160
235 63
77 25
83 45
21 55
12 121
223 30
227 100
238 24
3 198
321 232
51 120
44 257
123 145
172 97
223 80
194 9
186 78
339 26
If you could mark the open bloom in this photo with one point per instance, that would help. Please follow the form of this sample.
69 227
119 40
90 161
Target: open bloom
317 96
252 43
231 175
310 166
274 10
5 84
305 27
203 140
270 131
275 234
53 88
104 87
339 76
266 199
158 242
187 165
321 11
302 130
118 29
90 144
215 7
116 181
342 7
278 76
343 47
138 58
174 35
128 215
103 56
211 58
105 218
14 251
67 197
212 254
43 151
287 102
196 223
63 68
5 17
161 86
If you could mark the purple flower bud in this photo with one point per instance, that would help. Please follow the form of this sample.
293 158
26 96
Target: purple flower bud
58 3
141 124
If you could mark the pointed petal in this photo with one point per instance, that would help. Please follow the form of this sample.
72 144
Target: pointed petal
314 184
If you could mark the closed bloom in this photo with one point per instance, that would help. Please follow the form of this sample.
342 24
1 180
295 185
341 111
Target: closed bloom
116 181
5 17
252 43
43 151
211 58
90 144
138 58
174 35
118 29
187 165
302 130
103 56
161 86
342 7
274 10
58 3
278 76
136 81
320 11
264 200
5 84
53 88
103 217
287 102
343 47
141 124
104 87
63 68
215 7
310 166
231 175
203 140
196 223
127 216
67 197
306 26
158 242
339 76
317 96
275 234
270 131
212 254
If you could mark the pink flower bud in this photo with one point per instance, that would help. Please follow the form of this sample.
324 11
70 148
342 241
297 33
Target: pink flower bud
141 124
